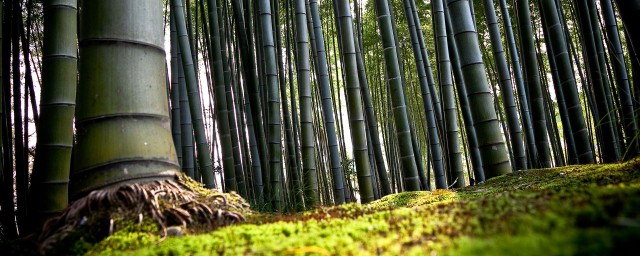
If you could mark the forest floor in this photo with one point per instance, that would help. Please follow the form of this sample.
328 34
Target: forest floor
580 209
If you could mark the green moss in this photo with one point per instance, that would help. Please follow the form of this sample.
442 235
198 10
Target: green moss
589 209
529 244
124 241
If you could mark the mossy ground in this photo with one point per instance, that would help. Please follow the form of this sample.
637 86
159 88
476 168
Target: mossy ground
585 210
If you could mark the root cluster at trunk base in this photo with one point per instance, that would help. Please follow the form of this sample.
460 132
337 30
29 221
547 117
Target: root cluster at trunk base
175 205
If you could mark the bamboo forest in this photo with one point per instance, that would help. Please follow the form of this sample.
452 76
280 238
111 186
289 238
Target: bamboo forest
319 127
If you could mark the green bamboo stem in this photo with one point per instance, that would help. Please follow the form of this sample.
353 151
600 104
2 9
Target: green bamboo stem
532 83
304 90
470 131
273 104
49 186
446 87
176 130
515 133
326 99
356 116
602 115
493 152
253 100
622 79
203 151
409 167
525 114
372 124
222 112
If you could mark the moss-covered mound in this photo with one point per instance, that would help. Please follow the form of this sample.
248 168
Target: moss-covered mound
586 210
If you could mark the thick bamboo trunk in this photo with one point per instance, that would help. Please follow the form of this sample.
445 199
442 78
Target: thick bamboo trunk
122 120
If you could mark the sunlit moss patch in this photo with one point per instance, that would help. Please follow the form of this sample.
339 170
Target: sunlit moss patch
588 209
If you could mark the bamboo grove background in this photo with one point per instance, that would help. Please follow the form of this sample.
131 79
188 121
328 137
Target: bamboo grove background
295 104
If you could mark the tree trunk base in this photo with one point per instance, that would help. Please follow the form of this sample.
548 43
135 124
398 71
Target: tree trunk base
174 204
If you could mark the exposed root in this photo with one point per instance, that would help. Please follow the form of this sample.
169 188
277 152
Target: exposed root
166 202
